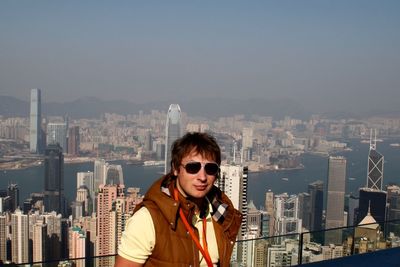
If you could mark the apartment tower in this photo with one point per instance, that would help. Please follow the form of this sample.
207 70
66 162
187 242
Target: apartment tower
233 182
106 243
19 237
77 245
3 237
39 237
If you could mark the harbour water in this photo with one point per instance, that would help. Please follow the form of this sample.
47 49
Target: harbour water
295 181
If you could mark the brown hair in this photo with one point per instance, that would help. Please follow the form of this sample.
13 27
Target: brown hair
203 143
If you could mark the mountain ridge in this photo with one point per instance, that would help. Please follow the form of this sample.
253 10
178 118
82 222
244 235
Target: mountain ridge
92 107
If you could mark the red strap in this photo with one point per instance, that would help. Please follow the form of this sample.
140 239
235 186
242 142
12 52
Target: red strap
204 249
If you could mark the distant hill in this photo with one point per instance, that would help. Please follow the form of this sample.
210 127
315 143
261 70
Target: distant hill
92 107
11 106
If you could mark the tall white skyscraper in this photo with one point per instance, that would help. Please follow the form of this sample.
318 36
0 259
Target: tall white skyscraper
172 132
99 173
233 182
35 129
19 237
57 134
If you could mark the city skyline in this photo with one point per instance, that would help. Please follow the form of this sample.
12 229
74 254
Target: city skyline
282 138
325 55
289 89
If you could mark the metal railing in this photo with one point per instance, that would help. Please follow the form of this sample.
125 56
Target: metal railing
283 250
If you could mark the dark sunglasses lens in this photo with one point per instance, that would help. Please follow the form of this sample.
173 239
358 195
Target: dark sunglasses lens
193 167
211 168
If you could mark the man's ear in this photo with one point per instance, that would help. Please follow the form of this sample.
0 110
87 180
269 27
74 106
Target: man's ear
175 172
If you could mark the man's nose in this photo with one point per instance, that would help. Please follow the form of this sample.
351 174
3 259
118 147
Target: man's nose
202 174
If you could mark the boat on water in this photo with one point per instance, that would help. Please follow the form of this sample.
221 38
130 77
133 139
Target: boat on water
153 163
352 178
285 179
395 145
366 141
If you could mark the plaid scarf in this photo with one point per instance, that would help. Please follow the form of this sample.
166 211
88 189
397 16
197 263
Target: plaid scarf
219 209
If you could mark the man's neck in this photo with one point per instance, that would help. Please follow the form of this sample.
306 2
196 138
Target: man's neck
201 205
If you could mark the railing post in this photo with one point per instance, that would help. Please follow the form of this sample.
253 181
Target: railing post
300 259
353 241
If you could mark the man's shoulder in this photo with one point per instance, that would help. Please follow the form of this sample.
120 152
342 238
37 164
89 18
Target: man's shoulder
141 215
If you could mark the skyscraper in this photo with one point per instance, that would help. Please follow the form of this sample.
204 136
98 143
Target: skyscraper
77 245
73 140
35 129
233 182
316 191
269 207
393 199
353 210
54 179
335 199
374 202
254 220
247 138
148 141
39 231
106 243
13 193
372 198
172 132
305 209
287 219
99 173
55 235
19 237
3 237
57 134
375 166
113 174
86 179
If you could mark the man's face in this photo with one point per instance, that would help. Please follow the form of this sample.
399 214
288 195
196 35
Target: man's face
194 185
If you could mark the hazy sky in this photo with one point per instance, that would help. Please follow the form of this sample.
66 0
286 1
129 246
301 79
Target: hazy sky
347 51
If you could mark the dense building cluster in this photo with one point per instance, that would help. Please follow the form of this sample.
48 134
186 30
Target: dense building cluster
286 231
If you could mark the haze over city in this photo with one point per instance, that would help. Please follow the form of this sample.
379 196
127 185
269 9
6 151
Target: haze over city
275 124
328 55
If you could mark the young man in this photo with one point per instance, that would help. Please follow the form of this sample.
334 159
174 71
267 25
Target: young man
184 220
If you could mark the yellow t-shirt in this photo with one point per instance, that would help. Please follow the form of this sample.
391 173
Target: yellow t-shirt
139 237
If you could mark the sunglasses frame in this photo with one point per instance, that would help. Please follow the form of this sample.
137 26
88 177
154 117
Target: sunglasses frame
202 165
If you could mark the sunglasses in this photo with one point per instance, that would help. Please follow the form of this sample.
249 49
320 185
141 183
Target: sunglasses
193 167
